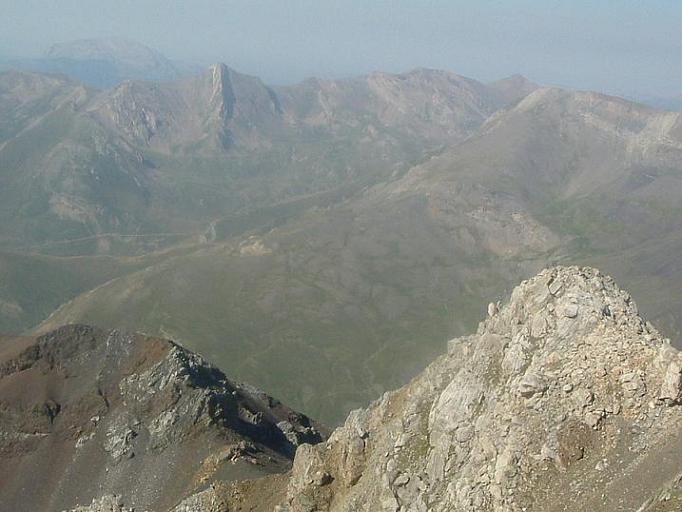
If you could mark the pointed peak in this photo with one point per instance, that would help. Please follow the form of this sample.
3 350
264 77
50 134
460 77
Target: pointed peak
512 89
516 79
219 71
219 67
576 300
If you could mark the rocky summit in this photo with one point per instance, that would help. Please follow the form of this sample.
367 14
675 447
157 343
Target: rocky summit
105 416
564 399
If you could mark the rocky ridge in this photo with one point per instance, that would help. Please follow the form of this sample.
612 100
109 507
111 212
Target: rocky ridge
89 412
564 399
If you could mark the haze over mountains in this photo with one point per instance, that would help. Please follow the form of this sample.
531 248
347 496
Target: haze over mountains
355 223
103 62
321 241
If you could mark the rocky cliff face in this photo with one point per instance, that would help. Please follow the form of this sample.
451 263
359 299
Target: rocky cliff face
230 110
90 413
217 110
565 399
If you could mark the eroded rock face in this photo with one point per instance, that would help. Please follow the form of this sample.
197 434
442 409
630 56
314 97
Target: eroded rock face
558 402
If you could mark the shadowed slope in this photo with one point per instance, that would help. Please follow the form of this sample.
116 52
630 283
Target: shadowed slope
87 412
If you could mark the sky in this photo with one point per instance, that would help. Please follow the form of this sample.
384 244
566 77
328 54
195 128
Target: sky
624 47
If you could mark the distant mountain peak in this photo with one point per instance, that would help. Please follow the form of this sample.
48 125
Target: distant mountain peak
221 96
512 89
219 71
104 48
105 62
517 79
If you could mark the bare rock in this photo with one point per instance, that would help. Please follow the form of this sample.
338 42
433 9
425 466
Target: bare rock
322 478
571 310
555 286
531 384
633 385
107 503
548 383
671 388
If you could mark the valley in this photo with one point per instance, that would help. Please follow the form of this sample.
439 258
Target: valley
323 240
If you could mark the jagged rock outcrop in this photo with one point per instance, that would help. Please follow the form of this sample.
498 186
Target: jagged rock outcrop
564 399
125 421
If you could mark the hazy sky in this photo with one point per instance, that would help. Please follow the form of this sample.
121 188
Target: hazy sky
621 46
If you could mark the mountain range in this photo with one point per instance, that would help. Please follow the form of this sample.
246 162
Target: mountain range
323 240
103 62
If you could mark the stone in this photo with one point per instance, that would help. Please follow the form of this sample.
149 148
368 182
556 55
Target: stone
671 388
531 384
118 442
555 286
592 418
464 434
584 397
401 440
571 310
107 503
322 478
632 384
616 407
401 480
539 326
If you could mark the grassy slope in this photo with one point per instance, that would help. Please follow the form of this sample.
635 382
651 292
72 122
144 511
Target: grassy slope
347 303
342 305
33 285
